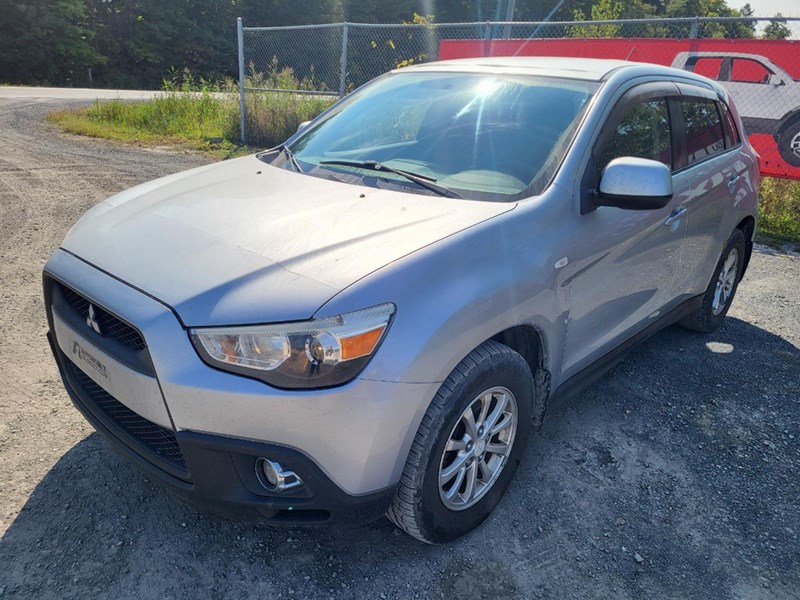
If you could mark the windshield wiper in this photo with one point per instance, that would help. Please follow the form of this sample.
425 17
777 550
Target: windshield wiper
373 165
295 163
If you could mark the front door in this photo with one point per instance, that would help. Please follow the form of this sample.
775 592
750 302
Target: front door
622 276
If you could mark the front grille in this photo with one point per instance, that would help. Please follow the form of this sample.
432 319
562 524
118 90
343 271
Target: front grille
148 436
111 326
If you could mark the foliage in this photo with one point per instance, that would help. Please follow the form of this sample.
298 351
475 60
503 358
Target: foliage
777 29
132 43
197 113
779 209
612 10
188 112
277 78
45 41
427 22
272 117
604 10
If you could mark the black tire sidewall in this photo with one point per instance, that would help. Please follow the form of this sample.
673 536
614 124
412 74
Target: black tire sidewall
441 523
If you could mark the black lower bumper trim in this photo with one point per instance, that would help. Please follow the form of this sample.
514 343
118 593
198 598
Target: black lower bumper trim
225 484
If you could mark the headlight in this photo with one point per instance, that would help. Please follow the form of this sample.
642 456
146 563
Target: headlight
308 354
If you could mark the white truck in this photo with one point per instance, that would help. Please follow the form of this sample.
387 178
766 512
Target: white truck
768 98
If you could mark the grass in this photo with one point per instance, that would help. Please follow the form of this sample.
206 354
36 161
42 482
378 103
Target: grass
176 119
200 115
779 210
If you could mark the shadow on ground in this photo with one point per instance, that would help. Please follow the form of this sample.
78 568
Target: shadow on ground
676 475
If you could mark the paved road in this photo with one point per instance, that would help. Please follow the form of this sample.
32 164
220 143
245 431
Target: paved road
687 455
46 93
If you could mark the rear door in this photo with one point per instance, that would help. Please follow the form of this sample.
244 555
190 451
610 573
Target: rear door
708 153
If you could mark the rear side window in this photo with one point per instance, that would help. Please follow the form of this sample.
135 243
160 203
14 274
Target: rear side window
729 125
644 132
704 135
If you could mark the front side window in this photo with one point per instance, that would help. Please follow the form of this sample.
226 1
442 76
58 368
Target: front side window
747 70
644 132
484 136
704 135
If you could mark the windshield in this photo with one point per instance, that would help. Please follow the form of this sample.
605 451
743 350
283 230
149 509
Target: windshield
476 136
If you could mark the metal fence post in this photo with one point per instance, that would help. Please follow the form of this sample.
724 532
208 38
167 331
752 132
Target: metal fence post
242 109
694 29
343 72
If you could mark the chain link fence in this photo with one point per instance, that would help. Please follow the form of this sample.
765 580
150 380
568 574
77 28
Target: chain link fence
334 59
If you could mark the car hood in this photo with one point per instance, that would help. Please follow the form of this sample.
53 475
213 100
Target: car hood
243 242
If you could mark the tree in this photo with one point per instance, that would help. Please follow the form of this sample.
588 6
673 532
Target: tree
603 10
45 42
777 29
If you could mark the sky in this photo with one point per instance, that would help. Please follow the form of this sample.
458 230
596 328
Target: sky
768 8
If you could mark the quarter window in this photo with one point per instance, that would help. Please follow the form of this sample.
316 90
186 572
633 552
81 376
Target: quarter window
703 127
731 133
644 132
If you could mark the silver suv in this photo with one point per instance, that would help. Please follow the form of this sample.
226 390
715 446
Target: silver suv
374 317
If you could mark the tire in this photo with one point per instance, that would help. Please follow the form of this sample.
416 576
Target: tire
419 507
789 144
711 314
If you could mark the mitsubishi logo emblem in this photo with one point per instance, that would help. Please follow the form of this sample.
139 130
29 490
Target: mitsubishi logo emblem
92 322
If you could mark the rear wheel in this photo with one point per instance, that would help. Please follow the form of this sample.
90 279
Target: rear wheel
719 294
467 447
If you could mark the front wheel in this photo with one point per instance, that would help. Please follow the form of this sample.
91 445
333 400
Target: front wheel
719 294
789 144
467 447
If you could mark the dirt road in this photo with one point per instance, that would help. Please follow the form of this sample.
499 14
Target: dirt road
675 476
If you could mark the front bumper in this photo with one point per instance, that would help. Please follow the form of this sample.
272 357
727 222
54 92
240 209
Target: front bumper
219 475
348 444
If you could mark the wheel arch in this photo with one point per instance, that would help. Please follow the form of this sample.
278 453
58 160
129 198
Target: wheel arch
529 342
748 228
787 121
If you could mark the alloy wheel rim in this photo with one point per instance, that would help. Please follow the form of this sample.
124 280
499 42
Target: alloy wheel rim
726 282
478 448
795 144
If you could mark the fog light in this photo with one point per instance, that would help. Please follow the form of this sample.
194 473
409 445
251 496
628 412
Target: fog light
273 477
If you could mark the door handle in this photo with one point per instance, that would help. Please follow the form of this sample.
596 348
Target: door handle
733 181
675 216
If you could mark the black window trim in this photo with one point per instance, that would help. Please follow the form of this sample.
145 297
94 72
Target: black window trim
737 131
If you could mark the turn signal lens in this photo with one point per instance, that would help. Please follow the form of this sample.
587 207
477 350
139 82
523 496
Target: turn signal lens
361 344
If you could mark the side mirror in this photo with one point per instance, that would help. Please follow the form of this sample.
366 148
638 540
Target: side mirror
634 184
776 80
302 126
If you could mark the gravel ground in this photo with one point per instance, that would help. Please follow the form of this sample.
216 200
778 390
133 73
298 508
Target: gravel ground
675 476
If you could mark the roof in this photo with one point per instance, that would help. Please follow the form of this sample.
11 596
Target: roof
594 69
